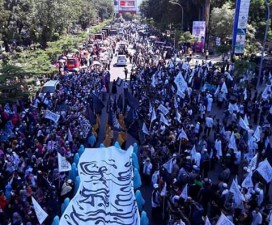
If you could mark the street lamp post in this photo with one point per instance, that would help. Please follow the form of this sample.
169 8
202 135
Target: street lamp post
182 11
264 41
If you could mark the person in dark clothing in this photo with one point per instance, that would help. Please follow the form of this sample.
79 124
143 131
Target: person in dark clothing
126 72
114 87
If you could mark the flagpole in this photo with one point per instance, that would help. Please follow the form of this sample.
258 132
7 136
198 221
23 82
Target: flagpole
163 206
179 146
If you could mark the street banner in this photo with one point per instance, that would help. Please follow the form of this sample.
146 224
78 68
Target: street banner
63 164
240 25
51 116
199 30
105 194
40 213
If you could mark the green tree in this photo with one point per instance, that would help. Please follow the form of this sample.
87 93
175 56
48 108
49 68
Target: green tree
221 23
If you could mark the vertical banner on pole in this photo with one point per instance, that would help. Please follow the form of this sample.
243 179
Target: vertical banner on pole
239 27
199 30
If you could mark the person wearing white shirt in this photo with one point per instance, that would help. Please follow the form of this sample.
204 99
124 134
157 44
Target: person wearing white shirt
209 125
260 195
197 159
209 103
218 148
147 169
257 218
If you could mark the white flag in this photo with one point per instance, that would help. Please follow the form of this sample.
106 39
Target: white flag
168 165
265 170
257 134
181 222
63 164
193 153
246 120
175 103
224 88
207 221
178 116
163 109
144 129
154 80
228 76
150 108
180 82
253 163
232 142
163 120
184 193
247 182
223 220
163 191
243 124
266 91
51 116
245 94
217 91
182 135
237 195
153 115
180 93
40 213
69 136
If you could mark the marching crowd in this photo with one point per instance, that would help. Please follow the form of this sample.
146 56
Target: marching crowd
204 136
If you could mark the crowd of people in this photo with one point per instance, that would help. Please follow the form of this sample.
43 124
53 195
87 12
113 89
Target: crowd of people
31 141
204 137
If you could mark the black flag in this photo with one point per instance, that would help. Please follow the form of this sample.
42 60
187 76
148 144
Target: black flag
98 104
131 101
133 130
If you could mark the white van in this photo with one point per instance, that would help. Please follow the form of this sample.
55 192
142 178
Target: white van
121 60
50 87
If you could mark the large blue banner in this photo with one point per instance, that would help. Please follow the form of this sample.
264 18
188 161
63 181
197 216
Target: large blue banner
239 27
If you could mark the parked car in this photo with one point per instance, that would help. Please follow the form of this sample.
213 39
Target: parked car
121 60
49 87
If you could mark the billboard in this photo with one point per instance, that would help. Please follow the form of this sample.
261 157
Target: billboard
127 6
199 30
239 27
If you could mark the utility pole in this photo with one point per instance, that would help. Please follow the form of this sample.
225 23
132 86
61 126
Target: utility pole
264 41
182 12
